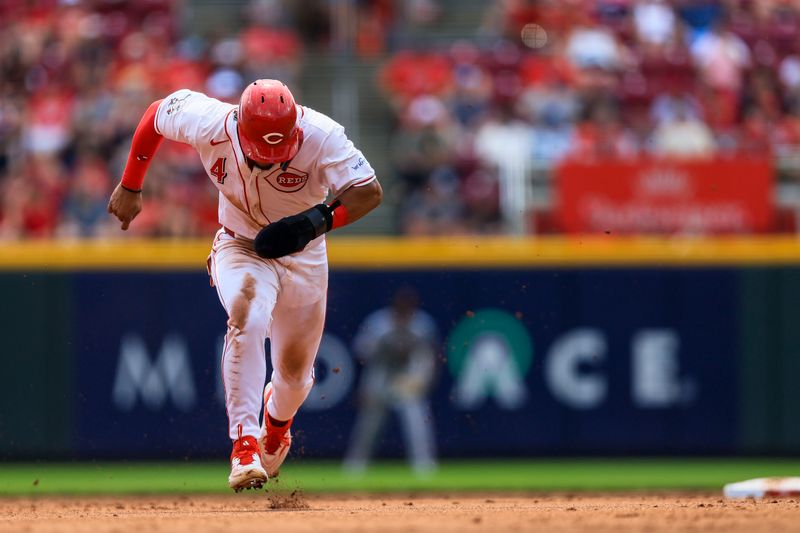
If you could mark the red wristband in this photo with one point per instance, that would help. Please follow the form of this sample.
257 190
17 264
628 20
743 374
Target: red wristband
340 216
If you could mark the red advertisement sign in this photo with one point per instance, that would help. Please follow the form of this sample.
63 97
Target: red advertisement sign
665 196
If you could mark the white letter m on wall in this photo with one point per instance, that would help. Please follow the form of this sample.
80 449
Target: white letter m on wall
169 375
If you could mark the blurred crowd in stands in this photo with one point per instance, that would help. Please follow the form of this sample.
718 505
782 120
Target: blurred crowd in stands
75 78
548 80
542 80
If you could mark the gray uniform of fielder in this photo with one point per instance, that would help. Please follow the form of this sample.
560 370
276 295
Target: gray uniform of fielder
398 348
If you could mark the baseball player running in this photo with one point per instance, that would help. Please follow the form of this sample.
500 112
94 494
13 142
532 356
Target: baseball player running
274 163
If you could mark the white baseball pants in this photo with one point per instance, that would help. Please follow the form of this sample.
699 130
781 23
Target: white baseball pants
282 299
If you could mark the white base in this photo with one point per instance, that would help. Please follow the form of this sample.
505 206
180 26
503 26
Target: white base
764 487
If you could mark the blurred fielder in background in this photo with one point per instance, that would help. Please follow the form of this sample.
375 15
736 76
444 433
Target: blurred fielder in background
398 347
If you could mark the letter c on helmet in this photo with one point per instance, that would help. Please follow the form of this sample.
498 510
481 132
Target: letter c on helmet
273 138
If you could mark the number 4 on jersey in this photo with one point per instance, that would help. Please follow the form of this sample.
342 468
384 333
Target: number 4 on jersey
218 169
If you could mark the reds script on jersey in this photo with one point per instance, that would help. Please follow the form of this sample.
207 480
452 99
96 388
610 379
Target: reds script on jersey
251 199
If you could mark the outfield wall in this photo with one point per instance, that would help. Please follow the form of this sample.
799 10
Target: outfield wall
578 346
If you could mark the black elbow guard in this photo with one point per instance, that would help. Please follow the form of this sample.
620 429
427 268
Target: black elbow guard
291 234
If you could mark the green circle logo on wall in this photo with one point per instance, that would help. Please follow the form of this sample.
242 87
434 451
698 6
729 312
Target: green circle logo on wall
486 322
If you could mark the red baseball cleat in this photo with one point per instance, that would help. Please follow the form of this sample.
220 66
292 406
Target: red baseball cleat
246 469
275 441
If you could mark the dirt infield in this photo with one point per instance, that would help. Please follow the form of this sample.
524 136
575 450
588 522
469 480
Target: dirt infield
291 513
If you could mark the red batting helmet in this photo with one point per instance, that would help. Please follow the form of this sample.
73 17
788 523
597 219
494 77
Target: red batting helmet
268 129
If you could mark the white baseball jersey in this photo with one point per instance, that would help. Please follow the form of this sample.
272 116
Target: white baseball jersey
249 199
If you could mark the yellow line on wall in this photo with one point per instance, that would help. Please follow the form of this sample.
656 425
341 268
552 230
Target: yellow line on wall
415 253
103 255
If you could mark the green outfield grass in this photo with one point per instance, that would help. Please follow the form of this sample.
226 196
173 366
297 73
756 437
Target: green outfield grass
527 475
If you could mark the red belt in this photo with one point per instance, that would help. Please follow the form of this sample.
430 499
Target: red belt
233 234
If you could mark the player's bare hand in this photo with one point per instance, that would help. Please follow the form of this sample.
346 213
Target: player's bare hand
125 205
